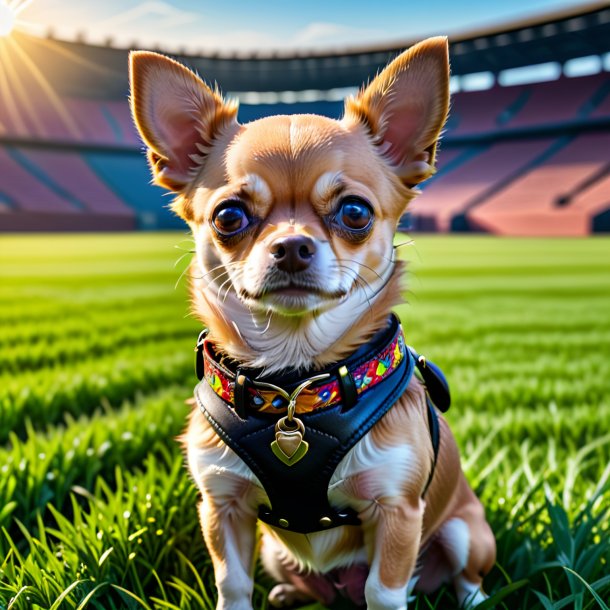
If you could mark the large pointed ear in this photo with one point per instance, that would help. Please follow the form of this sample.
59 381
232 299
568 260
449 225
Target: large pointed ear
177 115
405 107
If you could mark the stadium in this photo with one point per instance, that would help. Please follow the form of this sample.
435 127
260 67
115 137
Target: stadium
525 151
506 261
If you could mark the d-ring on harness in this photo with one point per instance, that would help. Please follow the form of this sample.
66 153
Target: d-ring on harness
343 403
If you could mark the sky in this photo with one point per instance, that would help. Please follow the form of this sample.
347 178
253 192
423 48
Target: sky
246 25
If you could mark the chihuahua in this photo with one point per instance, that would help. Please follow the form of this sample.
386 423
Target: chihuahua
309 419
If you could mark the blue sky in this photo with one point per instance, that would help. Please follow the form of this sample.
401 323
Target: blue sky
247 25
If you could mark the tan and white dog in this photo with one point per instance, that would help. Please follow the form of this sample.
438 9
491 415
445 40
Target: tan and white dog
293 219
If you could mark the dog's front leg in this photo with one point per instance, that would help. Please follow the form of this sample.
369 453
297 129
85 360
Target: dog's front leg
393 534
229 529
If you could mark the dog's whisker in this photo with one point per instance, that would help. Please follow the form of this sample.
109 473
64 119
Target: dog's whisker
237 278
231 284
226 266
220 275
188 240
356 276
227 291
360 282
182 274
216 278
268 323
351 260
227 281
181 257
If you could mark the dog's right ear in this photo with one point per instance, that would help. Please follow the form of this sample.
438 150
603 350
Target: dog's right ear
177 115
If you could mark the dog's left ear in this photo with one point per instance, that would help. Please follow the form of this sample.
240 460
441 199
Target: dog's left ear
405 107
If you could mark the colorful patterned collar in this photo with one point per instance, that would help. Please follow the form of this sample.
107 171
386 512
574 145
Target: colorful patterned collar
343 382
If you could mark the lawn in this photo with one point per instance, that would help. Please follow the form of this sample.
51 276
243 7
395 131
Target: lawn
96 362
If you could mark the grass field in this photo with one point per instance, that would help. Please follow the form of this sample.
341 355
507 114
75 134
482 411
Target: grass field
96 361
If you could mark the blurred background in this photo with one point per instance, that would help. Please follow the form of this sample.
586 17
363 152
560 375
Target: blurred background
526 150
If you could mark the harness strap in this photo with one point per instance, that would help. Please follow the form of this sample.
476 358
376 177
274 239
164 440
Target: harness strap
437 397
435 381
435 438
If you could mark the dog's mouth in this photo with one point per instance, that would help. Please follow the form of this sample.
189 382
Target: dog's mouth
292 296
293 289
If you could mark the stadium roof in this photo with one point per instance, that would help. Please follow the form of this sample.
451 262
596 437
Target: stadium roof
559 36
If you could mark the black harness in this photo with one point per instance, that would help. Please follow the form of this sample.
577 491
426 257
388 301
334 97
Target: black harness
298 493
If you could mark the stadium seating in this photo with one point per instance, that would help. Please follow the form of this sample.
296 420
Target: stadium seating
557 101
534 105
482 171
529 204
69 172
476 112
515 179
118 115
26 192
530 159
602 110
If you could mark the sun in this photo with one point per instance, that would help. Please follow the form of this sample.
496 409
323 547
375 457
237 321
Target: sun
9 11
7 19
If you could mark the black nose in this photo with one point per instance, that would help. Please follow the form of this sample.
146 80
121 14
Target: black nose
293 252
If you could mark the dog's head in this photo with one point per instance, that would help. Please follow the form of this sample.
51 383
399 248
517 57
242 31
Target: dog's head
293 216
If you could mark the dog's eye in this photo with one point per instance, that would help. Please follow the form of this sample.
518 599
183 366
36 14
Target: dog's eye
230 218
354 214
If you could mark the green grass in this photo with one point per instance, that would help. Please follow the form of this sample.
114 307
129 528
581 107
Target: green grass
96 507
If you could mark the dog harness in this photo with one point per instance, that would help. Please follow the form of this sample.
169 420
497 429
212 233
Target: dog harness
292 431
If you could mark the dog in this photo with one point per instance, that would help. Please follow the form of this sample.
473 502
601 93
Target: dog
294 276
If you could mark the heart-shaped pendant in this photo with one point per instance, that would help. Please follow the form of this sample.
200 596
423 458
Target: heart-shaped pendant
289 442
289 446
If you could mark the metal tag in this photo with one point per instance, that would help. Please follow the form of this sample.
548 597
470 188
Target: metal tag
289 446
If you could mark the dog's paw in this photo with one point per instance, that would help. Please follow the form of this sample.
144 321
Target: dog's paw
469 594
285 595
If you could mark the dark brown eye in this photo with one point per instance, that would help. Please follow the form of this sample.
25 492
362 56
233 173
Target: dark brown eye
354 214
230 218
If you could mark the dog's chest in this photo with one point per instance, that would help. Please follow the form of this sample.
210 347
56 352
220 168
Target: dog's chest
364 476
365 473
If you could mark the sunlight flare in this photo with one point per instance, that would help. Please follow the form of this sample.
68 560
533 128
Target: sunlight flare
9 16
8 12
51 96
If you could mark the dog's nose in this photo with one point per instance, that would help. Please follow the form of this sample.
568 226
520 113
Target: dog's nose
293 252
